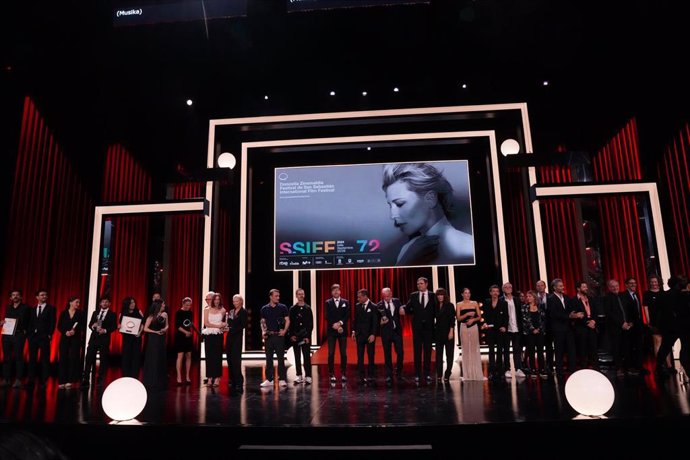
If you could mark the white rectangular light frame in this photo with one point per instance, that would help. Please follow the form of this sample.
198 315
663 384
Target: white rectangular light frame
572 191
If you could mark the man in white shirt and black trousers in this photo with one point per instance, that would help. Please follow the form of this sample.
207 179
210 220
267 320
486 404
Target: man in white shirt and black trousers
514 332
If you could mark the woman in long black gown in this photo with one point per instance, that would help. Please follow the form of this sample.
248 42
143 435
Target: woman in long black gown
155 366
131 344
71 326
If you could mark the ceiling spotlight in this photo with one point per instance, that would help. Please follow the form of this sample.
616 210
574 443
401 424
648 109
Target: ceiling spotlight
189 102
464 86
266 97
332 93
364 93
545 83
396 90
227 160
510 147
368 148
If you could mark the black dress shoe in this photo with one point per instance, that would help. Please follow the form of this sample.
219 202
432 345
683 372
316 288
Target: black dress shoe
428 378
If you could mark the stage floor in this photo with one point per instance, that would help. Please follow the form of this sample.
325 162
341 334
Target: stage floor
349 405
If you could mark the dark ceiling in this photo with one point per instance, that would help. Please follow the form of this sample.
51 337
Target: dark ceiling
605 62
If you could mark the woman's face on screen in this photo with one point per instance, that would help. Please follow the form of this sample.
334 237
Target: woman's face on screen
409 211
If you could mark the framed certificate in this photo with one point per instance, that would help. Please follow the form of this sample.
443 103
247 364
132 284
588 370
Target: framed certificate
130 325
8 327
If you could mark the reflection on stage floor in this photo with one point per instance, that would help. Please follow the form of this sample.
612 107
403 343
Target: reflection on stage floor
404 403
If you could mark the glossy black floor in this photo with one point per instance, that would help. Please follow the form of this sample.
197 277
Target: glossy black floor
352 414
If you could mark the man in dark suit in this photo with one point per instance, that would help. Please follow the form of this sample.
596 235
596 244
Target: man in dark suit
422 307
391 332
41 328
364 333
634 305
495 326
585 326
337 316
13 345
619 320
560 315
103 323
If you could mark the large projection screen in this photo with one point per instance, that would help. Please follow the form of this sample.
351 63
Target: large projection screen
373 215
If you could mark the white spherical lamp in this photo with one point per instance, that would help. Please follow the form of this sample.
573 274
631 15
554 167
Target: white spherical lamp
124 399
589 392
227 160
510 147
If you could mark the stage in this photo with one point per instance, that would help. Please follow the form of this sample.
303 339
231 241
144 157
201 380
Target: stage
437 415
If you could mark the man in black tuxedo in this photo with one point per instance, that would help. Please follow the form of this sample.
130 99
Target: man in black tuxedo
337 316
634 306
41 328
391 332
103 323
422 307
560 315
585 325
13 345
364 333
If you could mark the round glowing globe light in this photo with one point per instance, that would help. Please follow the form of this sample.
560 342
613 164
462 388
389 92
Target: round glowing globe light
589 392
510 147
124 399
227 160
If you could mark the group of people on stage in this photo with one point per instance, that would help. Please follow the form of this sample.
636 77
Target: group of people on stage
544 333
36 325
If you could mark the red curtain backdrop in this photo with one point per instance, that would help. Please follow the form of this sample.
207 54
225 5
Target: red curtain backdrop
186 257
401 281
124 180
51 218
622 251
517 218
560 224
674 181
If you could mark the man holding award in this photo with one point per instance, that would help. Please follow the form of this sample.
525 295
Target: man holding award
103 323
391 333
14 327
364 333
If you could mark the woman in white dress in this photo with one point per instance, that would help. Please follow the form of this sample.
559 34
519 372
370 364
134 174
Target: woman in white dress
214 327
468 316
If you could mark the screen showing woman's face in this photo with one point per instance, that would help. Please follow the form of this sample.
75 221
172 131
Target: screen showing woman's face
407 208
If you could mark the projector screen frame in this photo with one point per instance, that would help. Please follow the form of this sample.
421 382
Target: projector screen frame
263 122
377 163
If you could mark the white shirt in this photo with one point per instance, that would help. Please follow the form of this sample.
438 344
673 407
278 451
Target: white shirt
337 302
512 316
40 308
423 300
